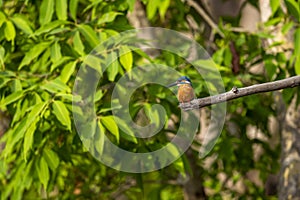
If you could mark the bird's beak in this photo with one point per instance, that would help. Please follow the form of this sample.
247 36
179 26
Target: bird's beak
172 84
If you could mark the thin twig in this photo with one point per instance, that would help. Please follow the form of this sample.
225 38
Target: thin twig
205 16
241 92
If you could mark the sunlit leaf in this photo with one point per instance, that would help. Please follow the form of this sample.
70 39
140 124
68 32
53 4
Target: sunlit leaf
297 41
12 98
297 65
93 62
274 5
21 127
73 4
78 45
69 97
55 52
152 7
293 8
49 26
16 85
126 58
21 22
67 71
51 158
9 31
46 11
287 27
131 4
110 124
128 132
33 53
56 85
35 112
42 170
2 18
108 17
89 34
100 140
60 62
112 65
28 139
2 54
61 9
164 4
62 114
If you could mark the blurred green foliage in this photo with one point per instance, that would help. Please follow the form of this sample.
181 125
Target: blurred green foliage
43 43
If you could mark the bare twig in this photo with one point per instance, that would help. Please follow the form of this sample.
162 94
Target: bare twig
241 92
205 16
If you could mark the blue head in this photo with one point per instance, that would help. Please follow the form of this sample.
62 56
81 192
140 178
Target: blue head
181 80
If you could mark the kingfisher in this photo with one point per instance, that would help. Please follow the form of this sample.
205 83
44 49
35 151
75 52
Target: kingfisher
185 90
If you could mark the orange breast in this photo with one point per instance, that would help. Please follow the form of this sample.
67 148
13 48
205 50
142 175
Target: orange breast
185 93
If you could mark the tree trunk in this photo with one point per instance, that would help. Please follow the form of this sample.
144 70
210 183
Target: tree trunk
289 181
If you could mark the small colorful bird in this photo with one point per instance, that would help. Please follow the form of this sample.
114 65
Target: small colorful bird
185 89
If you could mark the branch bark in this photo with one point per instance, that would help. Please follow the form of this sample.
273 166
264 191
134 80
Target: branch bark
235 93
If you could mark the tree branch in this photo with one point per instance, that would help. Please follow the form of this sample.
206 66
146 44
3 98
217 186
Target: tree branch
235 93
205 16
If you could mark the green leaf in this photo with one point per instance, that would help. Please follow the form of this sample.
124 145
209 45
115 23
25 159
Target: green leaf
22 127
113 66
61 113
108 17
89 34
55 86
274 5
88 130
270 68
93 62
297 65
131 4
111 126
12 98
126 58
288 94
16 85
42 171
67 71
152 114
61 9
152 7
51 158
59 62
297 42
293 8
287 27
2 18
49 26
33 53
28 139
100 139
78 45
27 175
9 31
164 4
21 22
129 134
99 94
173 150
73 4
69 97
46 11
35 112
2 55
55 52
